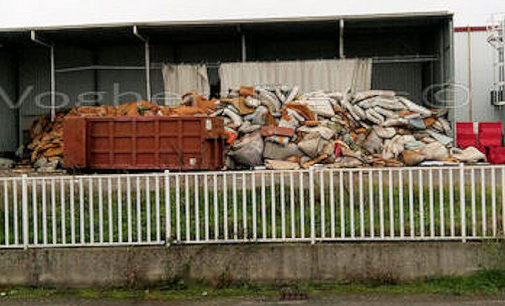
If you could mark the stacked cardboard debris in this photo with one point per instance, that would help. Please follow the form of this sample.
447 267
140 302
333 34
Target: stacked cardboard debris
46 146
284 129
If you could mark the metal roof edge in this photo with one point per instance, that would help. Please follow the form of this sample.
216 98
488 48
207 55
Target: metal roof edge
234 21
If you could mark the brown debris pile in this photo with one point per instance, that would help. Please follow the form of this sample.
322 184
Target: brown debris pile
47 139
47 145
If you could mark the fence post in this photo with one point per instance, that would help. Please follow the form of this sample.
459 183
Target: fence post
462 200
24 203
167 209
312 204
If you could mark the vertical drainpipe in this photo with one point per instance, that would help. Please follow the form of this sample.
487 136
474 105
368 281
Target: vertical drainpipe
341 39
34 38
147 61
469 64
243 46
244 50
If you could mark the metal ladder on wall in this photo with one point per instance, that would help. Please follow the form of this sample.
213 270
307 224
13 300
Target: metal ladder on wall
496 38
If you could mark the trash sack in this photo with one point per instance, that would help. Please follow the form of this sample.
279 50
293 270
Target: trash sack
320 106
292 94
372 93
291 123
281 165
247 127
269 99
428 140
395 122
435 151
414 145
314 161
445 140
282 140
373 116
239 104
312 145
365 104
359 112
252 102
417 124
346 151
237 120
470 155
279 152
437 126
248 150
385 112
415 107
325 132
351 162
280 95
259 117
446 126
349 107
295 115
290 119
383 132
412 158
301 109
395 146
336 98
373 143
390 104
6 163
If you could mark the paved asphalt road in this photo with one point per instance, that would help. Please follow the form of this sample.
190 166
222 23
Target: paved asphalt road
382 300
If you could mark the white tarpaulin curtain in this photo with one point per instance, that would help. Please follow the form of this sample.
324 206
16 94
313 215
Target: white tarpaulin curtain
180 79
326 75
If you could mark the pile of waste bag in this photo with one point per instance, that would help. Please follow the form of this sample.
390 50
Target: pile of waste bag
281 128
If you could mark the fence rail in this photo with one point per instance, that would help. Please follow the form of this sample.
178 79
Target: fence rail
369 204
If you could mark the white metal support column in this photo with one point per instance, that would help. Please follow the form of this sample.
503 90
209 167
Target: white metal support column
243 45
147 61
34 38
341 39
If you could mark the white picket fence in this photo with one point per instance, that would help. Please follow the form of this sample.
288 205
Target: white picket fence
315 205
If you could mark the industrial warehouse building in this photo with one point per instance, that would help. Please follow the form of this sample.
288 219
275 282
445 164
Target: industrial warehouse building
411 53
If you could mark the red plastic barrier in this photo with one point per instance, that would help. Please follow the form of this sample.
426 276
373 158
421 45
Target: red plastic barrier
465 137
496 155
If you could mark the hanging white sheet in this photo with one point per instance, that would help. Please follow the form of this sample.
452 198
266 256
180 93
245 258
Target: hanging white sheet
180 79
326 75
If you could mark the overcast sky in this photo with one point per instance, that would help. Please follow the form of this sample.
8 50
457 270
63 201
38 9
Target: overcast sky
47 13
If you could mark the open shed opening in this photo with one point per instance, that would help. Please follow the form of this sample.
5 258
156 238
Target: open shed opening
106 65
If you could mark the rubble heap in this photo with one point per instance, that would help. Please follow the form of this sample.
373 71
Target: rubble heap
46 136
284 129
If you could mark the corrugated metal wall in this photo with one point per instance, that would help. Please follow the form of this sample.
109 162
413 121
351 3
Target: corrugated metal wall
34 76
8 100
129 85
125 85
404 78
482 78
34 80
